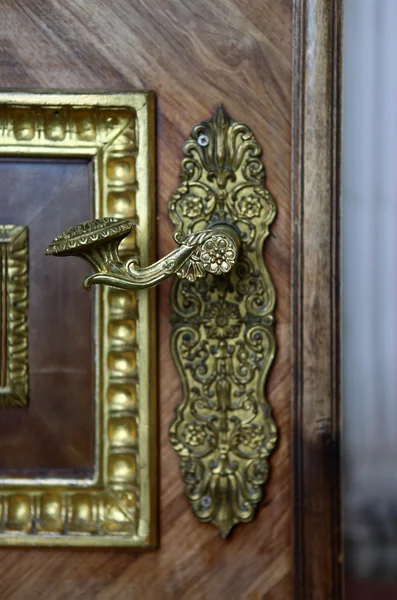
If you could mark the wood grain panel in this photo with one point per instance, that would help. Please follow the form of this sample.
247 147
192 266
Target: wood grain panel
195 54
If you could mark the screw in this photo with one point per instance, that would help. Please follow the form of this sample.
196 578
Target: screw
203 140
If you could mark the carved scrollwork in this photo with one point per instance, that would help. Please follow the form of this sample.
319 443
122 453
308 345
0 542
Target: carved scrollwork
14 315
223 341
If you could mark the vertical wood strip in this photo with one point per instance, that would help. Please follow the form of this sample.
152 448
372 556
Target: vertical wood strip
316 298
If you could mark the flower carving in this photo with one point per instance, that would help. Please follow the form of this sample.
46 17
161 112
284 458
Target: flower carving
251 437
250 206
222 320
218 254
194 434
191 205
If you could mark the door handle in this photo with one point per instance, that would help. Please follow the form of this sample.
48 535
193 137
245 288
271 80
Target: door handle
213 250
223 302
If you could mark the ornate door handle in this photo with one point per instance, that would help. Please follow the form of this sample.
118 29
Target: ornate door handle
223 339
213 250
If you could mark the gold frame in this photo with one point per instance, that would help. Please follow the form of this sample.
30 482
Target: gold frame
117 506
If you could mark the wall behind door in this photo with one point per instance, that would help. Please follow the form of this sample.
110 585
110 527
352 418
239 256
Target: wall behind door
370 287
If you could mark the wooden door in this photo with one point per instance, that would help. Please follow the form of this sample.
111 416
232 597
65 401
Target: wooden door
275 65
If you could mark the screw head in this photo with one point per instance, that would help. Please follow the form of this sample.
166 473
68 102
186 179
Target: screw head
203 140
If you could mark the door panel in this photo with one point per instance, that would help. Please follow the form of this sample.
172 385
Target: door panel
43 194
194 55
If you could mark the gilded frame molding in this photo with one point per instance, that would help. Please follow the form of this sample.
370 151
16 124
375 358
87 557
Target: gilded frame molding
14 315
117 506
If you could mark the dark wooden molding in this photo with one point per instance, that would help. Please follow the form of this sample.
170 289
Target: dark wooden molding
316 298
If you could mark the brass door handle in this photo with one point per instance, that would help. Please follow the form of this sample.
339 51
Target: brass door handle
222 340
213 250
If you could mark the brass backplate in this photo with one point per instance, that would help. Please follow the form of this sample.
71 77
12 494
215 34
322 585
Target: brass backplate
223 340
117 505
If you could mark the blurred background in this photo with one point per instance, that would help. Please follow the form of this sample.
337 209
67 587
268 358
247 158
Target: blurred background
370 298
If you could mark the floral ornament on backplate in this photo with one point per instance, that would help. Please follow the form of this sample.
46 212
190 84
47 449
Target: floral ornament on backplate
191 205
222 320
249 206
223 340
194 434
